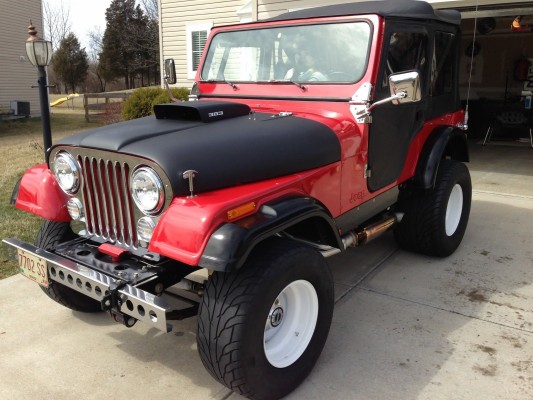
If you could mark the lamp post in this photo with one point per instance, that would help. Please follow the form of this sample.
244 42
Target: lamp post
39 52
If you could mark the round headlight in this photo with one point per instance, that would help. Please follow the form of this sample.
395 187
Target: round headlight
147 190
66 172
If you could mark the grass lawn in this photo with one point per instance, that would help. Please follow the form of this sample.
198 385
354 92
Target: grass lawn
20 148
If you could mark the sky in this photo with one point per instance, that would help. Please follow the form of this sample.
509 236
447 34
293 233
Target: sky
84 16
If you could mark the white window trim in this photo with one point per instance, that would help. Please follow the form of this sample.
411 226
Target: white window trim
245 13
204 26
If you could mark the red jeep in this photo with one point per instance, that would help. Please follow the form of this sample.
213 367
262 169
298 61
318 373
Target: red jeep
305 135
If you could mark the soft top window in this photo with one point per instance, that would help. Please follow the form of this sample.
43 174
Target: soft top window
407 51
323 53
443 63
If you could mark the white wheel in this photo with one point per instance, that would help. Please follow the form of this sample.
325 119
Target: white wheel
454 209
262 327
434 221
290 323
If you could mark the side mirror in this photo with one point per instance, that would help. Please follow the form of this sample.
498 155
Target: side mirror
404 88
170 71
408 83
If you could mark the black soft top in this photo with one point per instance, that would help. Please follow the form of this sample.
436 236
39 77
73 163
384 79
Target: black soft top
413 9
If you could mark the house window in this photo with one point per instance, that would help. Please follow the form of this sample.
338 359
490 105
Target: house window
198 42
196 38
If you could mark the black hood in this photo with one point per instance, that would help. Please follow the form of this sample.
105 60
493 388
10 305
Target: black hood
227 152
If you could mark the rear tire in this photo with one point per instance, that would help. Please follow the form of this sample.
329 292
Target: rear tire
51 234
262 328
434 222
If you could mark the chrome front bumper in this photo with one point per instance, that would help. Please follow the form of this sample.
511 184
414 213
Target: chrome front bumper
133 302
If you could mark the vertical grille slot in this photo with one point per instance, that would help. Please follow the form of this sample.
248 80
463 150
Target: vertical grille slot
107 203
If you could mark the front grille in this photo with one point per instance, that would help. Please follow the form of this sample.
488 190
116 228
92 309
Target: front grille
109 211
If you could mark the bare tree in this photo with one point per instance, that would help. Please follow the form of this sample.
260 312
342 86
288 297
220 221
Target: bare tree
150 9
95 49
56 22
95 42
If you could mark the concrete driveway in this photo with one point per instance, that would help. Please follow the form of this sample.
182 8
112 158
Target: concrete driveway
405 326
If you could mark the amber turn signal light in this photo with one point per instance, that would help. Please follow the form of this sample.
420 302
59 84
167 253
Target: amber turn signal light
241 210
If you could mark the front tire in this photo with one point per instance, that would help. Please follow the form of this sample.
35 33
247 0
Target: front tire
262 328
51 234
434 222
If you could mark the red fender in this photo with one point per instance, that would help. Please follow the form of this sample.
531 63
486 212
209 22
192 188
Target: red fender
186 226
40 194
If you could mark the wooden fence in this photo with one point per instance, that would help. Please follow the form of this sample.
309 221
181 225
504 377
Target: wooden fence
102 107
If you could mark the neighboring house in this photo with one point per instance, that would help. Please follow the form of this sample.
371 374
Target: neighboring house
17 74
184 27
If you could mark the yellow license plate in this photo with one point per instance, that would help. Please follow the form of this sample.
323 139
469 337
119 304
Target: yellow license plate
33 267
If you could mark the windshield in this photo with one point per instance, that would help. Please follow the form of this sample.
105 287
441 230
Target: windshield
306 53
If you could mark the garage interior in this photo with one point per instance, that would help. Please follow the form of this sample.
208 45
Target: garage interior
497 57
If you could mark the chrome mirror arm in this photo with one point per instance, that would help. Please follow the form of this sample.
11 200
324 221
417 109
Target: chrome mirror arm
167 86
366 111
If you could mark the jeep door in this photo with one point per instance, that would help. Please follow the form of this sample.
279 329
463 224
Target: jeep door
406 48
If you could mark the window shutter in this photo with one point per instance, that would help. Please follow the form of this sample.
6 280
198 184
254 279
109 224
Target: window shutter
198 39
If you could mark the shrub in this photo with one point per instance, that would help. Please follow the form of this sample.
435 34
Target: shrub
164 97
181 93
141 102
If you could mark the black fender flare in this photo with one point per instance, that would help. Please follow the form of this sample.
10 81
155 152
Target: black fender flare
229 246
446 141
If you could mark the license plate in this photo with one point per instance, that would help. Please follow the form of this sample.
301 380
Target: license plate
33 267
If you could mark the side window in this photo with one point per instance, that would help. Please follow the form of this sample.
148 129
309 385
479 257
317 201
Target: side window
196 40
406 51
442 64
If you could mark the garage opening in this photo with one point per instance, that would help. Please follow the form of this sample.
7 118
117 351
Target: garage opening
497 57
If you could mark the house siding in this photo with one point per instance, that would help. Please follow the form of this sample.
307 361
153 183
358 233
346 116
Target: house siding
269 9
176 16
17 75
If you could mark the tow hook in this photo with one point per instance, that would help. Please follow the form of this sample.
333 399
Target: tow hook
123 318
112 303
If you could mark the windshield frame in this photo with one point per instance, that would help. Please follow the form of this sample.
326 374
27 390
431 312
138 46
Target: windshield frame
365 52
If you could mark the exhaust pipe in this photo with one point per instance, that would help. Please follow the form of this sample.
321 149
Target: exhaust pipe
356 238
369 233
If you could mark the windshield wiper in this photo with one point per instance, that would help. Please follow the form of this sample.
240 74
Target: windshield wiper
233 85
301 86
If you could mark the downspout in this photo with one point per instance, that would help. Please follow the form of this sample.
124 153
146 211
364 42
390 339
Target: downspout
254 10
161 57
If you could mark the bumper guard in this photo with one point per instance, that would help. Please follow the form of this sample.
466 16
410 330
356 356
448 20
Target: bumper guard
134 302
